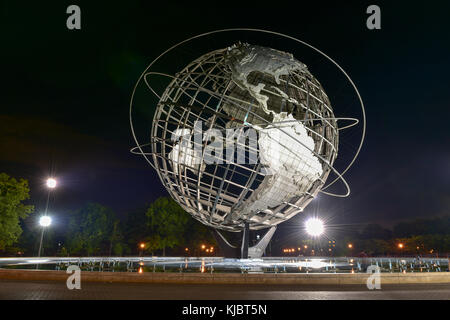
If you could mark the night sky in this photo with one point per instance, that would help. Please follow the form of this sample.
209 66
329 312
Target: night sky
65 97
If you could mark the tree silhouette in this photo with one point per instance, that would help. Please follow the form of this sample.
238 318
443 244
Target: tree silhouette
166 222
91 230
12 194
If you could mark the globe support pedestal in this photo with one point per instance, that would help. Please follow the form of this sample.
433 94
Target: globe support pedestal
245 251
245 238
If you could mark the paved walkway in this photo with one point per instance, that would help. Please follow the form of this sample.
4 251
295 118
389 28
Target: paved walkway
55 290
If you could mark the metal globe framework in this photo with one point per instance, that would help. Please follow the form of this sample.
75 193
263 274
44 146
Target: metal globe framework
227 194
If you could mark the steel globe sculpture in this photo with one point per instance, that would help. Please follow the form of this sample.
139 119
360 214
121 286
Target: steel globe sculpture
243 137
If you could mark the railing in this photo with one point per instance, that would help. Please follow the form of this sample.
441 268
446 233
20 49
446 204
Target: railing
219 264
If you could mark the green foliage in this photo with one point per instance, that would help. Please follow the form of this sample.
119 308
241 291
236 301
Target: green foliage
63 252
161 225
374 247
135 230
12 194
426 244
91 230
196 232
118 249
166 222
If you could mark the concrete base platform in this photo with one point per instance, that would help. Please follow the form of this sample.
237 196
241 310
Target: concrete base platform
57 290
229 278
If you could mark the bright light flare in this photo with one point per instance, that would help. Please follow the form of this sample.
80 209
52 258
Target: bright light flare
314 227
51 183
45 221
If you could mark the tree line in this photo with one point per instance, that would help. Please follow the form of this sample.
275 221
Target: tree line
424 237
160 228
417 237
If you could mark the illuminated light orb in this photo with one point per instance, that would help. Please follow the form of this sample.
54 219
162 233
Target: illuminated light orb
314 227
51 183
45 221
243 90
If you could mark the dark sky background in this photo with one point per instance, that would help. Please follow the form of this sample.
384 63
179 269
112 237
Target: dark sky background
65 97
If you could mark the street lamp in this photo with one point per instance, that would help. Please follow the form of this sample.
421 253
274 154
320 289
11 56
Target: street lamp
314 227
51 183
350 246
44 221
141 246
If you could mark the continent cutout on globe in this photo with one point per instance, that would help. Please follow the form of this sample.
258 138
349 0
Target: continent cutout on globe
244 59
284 146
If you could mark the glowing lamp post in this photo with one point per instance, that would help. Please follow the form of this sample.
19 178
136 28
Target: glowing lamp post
141 247
44 221
51 183
314 227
